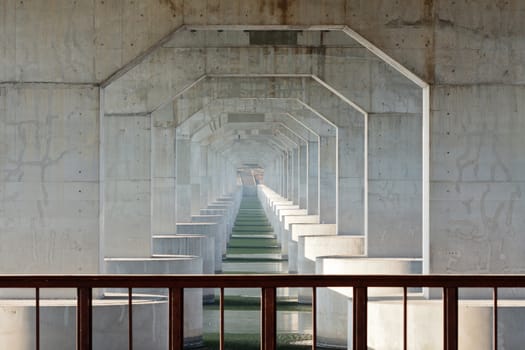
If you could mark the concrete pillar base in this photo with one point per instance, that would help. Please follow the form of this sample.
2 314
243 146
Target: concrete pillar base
334 323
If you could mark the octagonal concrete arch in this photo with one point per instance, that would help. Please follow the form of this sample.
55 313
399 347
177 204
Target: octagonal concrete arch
343 29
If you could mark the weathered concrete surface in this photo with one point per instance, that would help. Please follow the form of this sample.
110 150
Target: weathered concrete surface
127 202
298 230
110 324
49 192
470 52
477 187
394 185
334 323
212 259
475 318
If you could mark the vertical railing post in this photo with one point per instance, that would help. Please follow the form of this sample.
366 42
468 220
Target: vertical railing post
84 318
269 320
130 318
450 318
360 301
221 311
314 318
495 318
405 319
37 318
176 321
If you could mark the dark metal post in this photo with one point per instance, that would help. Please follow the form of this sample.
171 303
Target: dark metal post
221 308
495 319
176 321
37 318
130 319
450 317
360 301
84 319
269 320
405 319
314 318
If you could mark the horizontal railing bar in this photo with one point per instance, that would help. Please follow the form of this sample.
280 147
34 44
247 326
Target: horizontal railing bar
258 281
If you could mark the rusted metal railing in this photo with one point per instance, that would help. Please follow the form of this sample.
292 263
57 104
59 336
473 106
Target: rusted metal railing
268 284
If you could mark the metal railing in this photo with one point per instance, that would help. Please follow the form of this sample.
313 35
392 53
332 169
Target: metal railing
268 285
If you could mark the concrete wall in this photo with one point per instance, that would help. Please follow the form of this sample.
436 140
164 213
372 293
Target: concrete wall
49 193
471 53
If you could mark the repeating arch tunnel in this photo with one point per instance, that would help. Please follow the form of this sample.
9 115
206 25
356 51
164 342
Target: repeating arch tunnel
338 128
326 86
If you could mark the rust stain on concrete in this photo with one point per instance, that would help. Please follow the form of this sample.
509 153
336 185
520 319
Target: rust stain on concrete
175 10
428 17
283 6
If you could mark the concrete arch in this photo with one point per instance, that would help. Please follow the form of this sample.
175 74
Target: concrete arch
339 29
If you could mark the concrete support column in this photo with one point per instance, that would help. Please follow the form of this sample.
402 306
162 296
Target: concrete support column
212 171
394 165
289 177
284 177
163 172
328 179
205 178
223 176
313 178
229 177
295 175
303 176
127 209
183 166
279 175
195 177
351 180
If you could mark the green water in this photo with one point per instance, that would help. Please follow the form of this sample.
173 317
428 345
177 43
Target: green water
251 220
253 234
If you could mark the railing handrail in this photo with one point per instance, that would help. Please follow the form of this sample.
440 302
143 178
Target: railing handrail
268 284
259 281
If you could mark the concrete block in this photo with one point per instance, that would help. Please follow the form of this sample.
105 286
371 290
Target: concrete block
213 259
331 301
110 324
298 230
222 236
166 265
284 229
475 320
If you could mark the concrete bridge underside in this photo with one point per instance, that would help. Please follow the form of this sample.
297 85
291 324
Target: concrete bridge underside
147 162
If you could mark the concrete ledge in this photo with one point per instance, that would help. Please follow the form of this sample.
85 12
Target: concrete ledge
180 245
284 229
231 211
298 230
110 326
425 324
182 264
213 258
197 245
309 248
281 212
222 236
334 322
312 230
354 265
165 265
300 219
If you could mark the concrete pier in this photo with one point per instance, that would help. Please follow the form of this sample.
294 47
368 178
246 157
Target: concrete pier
334 317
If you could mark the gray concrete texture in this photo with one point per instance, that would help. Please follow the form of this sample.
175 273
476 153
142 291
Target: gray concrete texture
92 163
110 324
